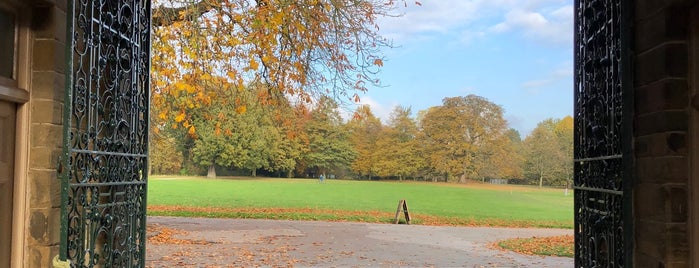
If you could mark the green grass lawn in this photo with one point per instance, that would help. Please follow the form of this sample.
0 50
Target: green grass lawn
549 207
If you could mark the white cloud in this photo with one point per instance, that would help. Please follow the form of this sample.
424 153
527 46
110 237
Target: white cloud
561 72
469 20
433 16
379 110
537 83
553 27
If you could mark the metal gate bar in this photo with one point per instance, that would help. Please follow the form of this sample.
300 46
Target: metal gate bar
603 132
104 162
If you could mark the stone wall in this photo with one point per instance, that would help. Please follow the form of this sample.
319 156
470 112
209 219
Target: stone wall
47 76
661 128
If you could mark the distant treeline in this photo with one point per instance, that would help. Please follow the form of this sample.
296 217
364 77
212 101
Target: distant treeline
465 138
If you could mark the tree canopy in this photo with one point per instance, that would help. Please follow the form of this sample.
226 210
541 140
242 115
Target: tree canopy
302 48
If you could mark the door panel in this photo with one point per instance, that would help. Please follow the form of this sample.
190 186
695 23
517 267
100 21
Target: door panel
7 153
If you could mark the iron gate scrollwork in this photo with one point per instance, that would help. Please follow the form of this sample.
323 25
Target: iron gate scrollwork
602 134
104 161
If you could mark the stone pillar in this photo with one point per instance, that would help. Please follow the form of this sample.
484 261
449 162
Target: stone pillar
48 42
661 133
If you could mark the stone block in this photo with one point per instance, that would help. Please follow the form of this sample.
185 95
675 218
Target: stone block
47 111
669 60
677 236
46 135
647 8
44 189
662 144
51 24
666 94
677 264
671 169
39 256
44 158
677 205
642 260
54 227
649 202
48 55
44 227
649 239
38 227
660 122
62 4
48 85
661 241
670 24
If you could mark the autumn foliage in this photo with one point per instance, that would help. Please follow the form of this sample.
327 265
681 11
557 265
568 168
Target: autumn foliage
258 85
208 49
562 246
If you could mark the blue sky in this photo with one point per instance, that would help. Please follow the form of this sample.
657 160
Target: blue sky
516 53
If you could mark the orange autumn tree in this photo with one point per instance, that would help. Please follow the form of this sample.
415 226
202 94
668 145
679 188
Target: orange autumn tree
299 48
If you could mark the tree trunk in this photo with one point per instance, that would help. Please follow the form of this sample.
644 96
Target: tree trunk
541 181
212 172
462 178
254 172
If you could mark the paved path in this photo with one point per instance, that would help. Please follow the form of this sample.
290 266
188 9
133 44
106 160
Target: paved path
200 242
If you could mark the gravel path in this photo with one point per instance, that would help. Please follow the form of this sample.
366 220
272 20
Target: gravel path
202 242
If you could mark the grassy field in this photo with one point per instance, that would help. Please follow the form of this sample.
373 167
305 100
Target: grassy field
429 203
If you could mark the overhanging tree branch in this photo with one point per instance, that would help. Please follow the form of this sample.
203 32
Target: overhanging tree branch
164 16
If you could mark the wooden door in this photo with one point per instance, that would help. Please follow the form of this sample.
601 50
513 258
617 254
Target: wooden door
7 154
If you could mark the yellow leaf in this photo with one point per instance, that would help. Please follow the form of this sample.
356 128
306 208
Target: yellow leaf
254 64
232 75
179 118
191 130
378 62
241 109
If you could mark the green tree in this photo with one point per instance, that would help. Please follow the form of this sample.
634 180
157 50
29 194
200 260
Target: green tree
329 148
235 132
293 141
548 152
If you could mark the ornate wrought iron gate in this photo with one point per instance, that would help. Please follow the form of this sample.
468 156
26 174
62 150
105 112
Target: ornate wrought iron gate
603 156
104 162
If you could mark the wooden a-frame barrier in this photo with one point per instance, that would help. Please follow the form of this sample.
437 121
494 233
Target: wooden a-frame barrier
403 206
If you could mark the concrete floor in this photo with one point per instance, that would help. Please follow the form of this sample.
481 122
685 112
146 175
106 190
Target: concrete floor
202 242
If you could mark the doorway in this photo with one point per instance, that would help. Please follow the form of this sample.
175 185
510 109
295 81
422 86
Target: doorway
7 153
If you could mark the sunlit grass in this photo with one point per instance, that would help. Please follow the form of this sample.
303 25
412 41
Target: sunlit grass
438 203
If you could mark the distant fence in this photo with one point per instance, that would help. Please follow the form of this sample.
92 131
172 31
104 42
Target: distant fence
497 181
